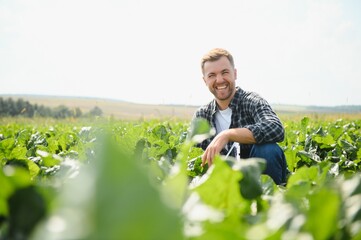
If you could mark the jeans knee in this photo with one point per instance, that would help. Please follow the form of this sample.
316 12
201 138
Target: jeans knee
267 150
276 166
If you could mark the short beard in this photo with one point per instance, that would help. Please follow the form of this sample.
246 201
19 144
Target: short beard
228 96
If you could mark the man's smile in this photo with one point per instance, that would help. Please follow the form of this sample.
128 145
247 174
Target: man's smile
221 87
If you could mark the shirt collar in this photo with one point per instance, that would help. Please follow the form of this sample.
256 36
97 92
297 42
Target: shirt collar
214 107
233 104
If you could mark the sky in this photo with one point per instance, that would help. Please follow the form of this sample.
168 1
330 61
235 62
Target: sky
301 52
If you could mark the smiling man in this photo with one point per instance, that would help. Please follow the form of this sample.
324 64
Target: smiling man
240 117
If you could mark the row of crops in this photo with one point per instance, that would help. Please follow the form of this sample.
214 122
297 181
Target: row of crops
109 179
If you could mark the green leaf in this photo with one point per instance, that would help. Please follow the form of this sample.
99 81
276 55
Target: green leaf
113 198
48 160
325 141
303 174
6 147
359 153
6 190
26 208
305 122
200 129
291 157
309 157
324 203
23 136
250 183
347 146
219 188
18 152
33 169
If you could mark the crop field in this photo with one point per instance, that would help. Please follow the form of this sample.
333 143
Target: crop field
105 178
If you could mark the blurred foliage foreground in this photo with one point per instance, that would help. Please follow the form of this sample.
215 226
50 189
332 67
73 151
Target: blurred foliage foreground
143 180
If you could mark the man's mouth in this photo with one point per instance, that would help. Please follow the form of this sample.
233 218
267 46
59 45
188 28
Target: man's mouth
221 87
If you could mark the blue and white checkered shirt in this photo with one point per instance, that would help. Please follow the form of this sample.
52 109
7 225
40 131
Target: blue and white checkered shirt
249 110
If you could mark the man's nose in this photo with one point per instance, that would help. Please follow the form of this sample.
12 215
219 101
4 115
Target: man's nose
219 78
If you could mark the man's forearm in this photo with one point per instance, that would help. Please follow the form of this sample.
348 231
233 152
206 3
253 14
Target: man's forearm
241 135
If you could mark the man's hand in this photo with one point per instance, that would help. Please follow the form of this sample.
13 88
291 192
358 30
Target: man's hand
214 148
241 135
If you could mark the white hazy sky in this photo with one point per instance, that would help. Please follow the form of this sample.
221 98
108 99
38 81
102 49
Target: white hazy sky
304 52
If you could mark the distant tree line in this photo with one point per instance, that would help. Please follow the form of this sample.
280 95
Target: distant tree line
20 107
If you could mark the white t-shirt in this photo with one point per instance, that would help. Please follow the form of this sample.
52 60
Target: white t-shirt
223 121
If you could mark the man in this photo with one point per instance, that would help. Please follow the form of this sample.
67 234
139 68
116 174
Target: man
240 117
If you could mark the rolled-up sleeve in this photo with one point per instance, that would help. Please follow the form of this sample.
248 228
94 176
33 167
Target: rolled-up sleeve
267 126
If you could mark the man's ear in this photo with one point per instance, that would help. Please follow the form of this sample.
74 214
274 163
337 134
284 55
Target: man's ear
235 74
204 80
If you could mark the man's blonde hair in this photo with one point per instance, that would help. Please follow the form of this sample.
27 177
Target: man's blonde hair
215 54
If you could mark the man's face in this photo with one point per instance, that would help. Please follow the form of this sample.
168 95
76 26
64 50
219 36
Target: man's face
220 78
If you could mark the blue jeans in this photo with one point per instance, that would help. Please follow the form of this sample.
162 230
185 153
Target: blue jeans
276 165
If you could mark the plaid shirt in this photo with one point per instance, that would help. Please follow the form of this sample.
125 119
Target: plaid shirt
251 111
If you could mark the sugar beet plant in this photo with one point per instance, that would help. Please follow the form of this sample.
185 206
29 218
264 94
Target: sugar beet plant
110 179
